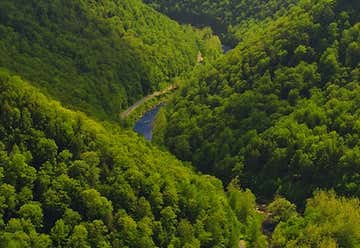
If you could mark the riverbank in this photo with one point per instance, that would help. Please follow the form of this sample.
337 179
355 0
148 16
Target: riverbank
137 104
144 126
129 120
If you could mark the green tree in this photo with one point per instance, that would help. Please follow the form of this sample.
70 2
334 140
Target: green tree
33 212
59 233
97 206
281 209
79 237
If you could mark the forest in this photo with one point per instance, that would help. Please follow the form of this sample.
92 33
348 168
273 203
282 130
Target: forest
66 181
281 110
258 147
227 18
97 56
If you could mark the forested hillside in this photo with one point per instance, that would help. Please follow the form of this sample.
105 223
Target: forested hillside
225 17
281 110
328 221
97 56
277 116
67 182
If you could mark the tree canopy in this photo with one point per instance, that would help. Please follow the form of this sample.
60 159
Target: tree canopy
276 120
280 111
97 56
66 181
226 17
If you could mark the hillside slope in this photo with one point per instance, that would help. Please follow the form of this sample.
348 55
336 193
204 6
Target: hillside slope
225 17
281 110
97 56
65 181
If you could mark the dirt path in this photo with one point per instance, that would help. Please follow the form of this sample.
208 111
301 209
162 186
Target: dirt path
127 112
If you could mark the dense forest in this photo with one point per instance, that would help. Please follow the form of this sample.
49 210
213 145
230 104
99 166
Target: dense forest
258 147
280 111
227 18
67 182
97 56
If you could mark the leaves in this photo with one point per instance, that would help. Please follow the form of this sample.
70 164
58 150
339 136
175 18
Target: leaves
111 189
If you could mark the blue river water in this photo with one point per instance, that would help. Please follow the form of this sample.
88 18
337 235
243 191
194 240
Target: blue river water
144 126
226 48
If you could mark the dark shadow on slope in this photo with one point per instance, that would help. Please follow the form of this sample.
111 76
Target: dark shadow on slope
73 55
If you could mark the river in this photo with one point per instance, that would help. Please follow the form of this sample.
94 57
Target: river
144 126
226 48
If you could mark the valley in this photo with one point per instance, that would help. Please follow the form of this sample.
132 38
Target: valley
179 124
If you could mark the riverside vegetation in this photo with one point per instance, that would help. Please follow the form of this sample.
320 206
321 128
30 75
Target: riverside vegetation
276 116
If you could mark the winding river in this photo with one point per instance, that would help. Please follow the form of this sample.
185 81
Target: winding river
144 126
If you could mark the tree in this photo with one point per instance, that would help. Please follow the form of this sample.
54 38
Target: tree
59 233
71 217
45 150
9 199
281 209
21 233
127 228
98 234
19 173
329 65
78 238
86 170
329 221
33 212
97 206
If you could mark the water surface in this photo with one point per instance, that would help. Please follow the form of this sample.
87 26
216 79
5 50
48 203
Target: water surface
226 48
144 126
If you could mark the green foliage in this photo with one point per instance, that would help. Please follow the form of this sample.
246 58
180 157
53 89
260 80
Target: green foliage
59 233
96 206
222 16
79 238
280 110
278 113
328 221
159 127
68 181
281 210
22 233
32 212
97 56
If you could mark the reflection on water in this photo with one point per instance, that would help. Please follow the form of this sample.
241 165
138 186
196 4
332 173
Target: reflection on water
144 126
226 48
